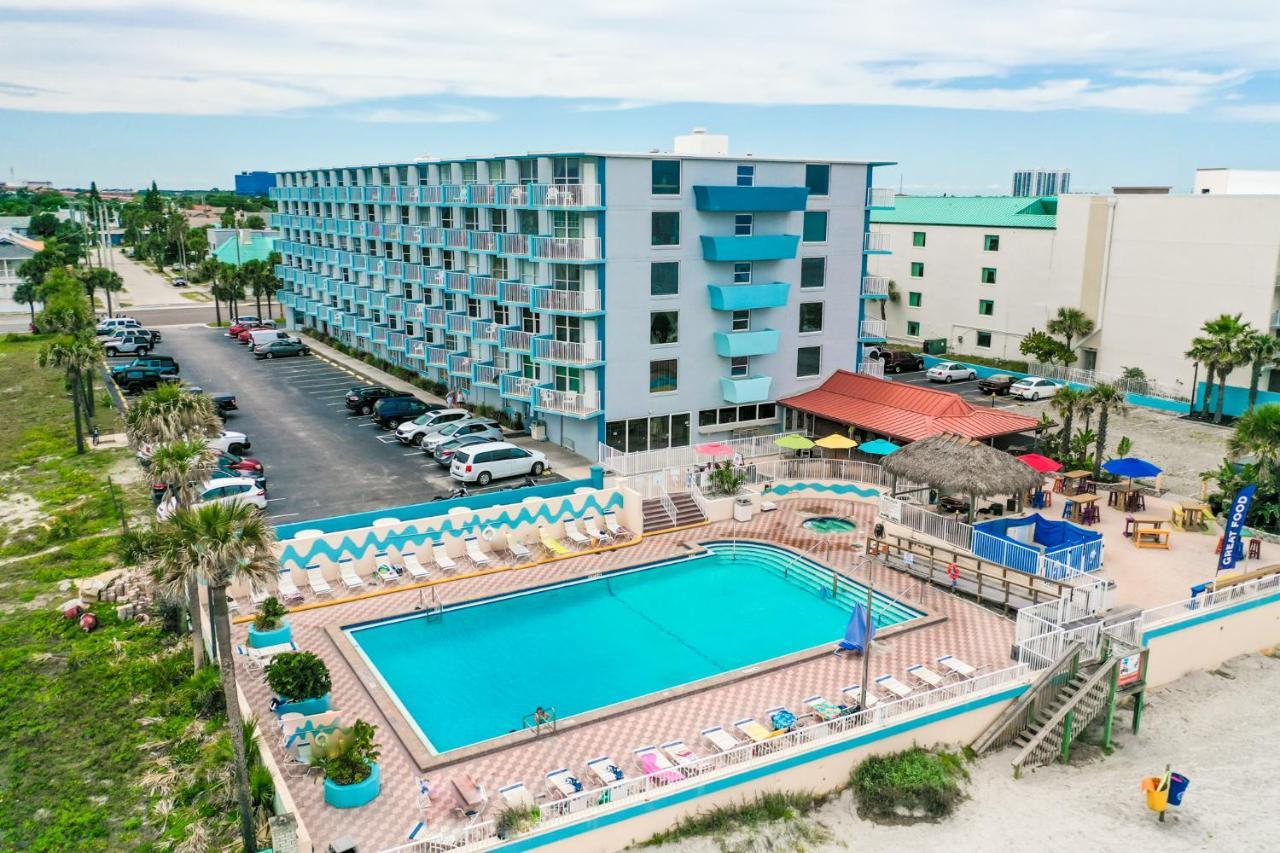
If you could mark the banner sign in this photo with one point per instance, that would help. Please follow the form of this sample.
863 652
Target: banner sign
1236 515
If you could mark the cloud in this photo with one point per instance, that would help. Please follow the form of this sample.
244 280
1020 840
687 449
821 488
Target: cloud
196 58
443 114
1252 112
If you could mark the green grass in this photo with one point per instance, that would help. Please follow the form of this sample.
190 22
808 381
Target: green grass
766 811
913 781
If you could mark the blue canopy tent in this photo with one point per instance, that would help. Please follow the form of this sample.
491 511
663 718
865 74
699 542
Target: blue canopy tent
1019 542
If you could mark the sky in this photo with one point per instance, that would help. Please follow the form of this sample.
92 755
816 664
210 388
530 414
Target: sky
959 94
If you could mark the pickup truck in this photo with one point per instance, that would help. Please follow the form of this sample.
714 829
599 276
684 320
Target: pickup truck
135 380
163 363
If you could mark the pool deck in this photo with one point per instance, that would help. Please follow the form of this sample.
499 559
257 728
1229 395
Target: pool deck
976 635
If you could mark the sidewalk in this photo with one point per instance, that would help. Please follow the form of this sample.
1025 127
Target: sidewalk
563 462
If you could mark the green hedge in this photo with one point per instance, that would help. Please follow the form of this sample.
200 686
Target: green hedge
910 783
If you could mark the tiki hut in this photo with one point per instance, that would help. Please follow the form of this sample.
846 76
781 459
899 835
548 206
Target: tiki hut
957 465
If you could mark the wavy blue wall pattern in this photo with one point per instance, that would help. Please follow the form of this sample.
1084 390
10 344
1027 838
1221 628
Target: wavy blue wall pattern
300 553
836 488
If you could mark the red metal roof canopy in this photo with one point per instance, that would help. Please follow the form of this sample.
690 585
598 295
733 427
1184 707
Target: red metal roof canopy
903 411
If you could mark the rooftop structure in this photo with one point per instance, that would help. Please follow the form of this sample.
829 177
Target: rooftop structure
1223 181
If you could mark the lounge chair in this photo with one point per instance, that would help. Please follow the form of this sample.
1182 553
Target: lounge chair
297 761
299 729
679 752
517 796
347 571
605 770
575 535
286 589
564 783
257 596
653 763
768 506
926 675
414 567
721 739
315 580
753 730
616 530
854 693
957 666
475 553
894 686
441 555
260 657
385 570
782 719
517 549
593 530
554 546
424 794
824 710
417 830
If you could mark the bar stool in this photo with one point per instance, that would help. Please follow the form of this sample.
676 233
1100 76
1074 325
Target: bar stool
1255 549
1066 508
1113 498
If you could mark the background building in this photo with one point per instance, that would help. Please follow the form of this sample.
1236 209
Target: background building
1041 182
643 300
1236 182
15 249
255 183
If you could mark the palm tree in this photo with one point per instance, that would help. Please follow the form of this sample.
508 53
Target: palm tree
74 357
208 271
184 466
893 297
1065 403
1105 399
27 292
1257 434
220 543
1261 350
272 283
1070 323
1227 334
169 414
1201 352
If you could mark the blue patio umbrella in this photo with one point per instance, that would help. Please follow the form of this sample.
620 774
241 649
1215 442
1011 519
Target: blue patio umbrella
879 447
856 637
1131 466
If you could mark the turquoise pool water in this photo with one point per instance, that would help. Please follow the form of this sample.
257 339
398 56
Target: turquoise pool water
828 524
476 672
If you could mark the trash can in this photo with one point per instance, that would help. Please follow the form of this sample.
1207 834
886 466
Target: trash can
1157 793
1177 787
538 431
742 509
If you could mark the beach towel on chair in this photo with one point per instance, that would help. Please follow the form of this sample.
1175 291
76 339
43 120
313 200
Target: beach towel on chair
783 719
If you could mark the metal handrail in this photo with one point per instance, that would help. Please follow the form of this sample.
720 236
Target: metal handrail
1018 714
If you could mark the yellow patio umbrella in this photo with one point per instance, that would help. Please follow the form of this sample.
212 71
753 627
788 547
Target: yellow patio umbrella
836 441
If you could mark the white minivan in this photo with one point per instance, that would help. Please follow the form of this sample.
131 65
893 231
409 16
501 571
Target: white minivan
112 325
483 463
262 336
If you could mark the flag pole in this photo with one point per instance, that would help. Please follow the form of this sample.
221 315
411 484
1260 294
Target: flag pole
866 645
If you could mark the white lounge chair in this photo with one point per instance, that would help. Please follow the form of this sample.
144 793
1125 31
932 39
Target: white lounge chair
257 596
605 770
822 709
564 783
593 530
347 571
894 686
475 553
424 794
679 752
616 530
286 589
926 675
260 657
553 546
315 580
517 796
654 763
384 569
754 730
573 534
414 567
957 666
721 739
441 555
854 693
517 548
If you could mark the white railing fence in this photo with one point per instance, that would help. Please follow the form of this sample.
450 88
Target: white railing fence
1190 607
699 500
627 464
921 520
668 506
1080 376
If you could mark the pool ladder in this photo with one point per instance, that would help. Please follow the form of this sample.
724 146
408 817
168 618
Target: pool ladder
435 609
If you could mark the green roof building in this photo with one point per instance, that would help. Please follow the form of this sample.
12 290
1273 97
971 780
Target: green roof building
976 211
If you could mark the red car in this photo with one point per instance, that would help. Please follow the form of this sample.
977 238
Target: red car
238 329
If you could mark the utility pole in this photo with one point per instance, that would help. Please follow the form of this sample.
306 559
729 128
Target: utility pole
866 644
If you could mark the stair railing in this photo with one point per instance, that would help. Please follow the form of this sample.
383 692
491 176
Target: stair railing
1020 713
667 506
1076 713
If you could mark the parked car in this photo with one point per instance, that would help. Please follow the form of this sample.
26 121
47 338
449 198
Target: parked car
1034 388
483 463
390 412
128 344
112 324
412 432
228 442
285 347
444 452
872 351
223 401
179 282
135 380
163 363
457 429
362 397
998 383
900 362
243 336
239 463
160 489
258 337
222 490
950 371
244 324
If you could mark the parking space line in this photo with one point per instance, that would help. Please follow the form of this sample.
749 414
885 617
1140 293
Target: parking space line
368 424
282 515
273 500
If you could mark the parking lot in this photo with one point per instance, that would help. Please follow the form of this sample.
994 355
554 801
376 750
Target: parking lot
320 459
968 388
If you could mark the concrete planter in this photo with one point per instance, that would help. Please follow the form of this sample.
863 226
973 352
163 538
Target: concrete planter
262 639
354 796
306 707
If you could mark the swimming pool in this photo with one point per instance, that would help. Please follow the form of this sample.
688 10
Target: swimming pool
475 673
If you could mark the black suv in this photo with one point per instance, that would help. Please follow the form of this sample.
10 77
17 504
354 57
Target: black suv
163 363
390 412
900 362
363 397
135 380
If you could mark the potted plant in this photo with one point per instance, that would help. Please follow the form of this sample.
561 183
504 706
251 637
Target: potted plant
349 760
269 627
301 681
517 820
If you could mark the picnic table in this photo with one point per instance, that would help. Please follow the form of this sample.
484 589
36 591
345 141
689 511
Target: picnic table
1078 503
1193 512
1128 496
1075 482
1156 521
1150 535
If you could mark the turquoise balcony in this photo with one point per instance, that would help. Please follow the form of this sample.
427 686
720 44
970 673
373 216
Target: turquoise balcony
744 297
746 389
758 247
742 199
758 342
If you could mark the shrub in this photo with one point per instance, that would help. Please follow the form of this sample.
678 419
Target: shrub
515 820
204 693
298 676
772 808
347 757
909 783
270 615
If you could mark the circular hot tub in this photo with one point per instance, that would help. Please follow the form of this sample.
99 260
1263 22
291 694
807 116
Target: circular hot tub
829 524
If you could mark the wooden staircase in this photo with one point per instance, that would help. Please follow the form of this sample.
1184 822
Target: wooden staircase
657 518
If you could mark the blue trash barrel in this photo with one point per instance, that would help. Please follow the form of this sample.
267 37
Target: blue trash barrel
1177 787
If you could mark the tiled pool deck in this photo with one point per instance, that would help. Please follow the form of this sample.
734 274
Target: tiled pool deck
969 632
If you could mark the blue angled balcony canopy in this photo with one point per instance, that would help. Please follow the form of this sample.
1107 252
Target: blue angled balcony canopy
744 297
757 247
733 199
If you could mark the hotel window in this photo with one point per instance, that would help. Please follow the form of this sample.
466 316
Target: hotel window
528 171
988 275
567 329
743 224
567 379
566 223
666 177
497 171
746 176
664 327
914 298
528 220
913 329
813 272
663 376
640 434
740 321
566 170
566 277
984 340
808 361
818 179
497 220
665 228
740 365
664 279
742 273
917 239
810 317
501 314
986 307
468 173
815 226
991 243
498 268
917 269
471 218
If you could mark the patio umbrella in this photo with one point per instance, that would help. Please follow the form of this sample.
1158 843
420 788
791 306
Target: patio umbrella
714 448
1043 464
879 447
1131 466
794 442
836 441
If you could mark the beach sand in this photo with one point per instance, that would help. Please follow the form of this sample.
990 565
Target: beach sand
1220 729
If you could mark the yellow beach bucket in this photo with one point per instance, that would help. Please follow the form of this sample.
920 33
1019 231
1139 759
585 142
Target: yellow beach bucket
1157 789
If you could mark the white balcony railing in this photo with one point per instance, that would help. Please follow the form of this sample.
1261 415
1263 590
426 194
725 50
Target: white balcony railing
516 386
437 356
875 285
433 316
566 301
456 238
513 244
880 197
873 329
485 287
876 241
458 324
484 241
874 367
515 339
484 332
568 402
550 195
515 292
458 282
460 365
566 352
484 194
565 248
486 374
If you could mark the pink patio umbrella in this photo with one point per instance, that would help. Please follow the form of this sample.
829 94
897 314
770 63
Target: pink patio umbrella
1043 464
713 449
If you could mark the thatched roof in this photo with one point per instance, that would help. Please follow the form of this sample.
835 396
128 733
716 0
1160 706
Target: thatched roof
959 465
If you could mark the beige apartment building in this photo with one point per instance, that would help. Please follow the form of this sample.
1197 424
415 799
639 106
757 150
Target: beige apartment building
1148 269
